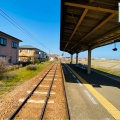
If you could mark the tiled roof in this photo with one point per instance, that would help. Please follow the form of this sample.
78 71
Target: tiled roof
4 34
30 47
27 46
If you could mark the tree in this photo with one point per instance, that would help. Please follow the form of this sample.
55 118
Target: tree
47 58
56 58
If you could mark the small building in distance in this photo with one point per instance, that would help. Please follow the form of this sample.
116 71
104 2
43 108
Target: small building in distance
43 56
9 47
53 57
30 53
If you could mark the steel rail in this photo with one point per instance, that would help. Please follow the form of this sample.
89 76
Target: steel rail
18 109
48 95
66 99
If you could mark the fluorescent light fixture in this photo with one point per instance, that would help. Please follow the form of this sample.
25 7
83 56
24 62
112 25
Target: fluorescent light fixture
114 49
119 12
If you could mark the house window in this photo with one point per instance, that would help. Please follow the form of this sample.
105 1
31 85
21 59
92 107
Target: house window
29 51
14 44
36 52
3 41
20 51
2 57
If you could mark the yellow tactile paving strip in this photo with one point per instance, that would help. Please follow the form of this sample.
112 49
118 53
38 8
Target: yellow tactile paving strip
106 104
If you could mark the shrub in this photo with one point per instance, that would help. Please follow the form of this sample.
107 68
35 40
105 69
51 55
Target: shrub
20 66
9 75
16 66
9 67
25 63
37 61
56 58
31 67
2 65
47 58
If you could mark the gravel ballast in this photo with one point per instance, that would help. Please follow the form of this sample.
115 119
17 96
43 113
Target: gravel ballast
10 101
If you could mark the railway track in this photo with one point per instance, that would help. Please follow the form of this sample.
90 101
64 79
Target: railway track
34 105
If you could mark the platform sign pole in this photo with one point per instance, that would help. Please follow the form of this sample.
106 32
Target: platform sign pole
119 12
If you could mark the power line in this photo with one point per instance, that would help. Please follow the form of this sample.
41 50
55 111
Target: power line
20 27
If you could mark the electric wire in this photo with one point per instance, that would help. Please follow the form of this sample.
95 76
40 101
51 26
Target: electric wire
20 27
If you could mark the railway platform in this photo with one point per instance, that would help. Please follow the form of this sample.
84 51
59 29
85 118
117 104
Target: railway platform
91 96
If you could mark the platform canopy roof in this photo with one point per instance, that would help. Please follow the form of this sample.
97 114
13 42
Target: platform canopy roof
88 24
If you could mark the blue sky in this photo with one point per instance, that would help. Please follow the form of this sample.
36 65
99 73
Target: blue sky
42 19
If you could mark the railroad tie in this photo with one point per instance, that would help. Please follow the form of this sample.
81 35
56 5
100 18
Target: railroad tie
35 101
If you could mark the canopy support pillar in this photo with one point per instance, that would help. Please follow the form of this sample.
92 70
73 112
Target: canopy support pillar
76 58
71 59
89 61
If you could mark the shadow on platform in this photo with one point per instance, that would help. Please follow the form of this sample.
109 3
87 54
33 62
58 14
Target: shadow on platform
96 79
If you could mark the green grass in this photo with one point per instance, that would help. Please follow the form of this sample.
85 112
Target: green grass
11 79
